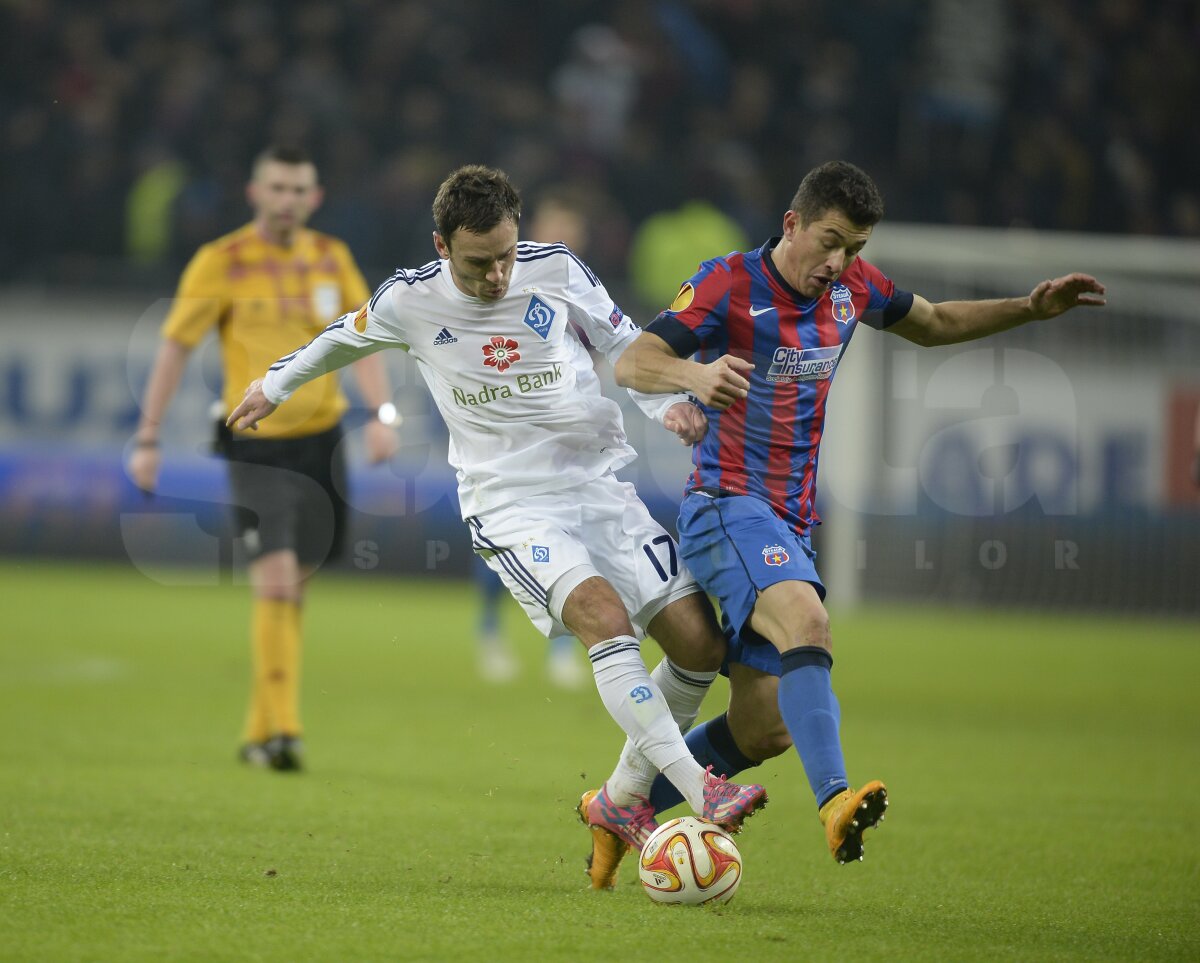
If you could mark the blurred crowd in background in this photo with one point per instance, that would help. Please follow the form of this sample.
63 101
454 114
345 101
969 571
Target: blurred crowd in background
127 127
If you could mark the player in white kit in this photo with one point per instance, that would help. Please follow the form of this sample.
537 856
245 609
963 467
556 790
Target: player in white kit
535 445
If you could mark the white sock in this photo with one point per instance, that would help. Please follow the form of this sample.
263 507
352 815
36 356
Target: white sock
684 690
638 705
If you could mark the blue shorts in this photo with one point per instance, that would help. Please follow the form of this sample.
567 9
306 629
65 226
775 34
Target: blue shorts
736 547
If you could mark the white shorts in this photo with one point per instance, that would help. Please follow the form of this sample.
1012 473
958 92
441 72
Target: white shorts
543 546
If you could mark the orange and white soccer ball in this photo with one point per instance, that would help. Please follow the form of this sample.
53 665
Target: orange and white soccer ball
690 861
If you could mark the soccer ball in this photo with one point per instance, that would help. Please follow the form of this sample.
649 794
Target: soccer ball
690 861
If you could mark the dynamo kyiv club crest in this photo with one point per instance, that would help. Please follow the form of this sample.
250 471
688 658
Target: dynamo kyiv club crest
539 316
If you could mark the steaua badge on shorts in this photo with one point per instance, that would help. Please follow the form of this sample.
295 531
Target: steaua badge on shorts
775 555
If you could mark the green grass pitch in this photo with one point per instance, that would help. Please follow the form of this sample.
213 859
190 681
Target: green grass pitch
1044 773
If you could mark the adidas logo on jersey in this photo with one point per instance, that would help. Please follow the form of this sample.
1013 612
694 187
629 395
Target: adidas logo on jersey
444 337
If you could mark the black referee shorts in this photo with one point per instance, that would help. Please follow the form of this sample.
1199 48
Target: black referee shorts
287 494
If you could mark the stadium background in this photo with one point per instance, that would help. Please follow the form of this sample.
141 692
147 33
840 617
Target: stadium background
1047 467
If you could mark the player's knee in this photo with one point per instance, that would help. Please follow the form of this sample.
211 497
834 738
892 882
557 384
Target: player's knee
704 654
714 653
277 593
611 628
595 616
813 629
688 632
600 627
277 576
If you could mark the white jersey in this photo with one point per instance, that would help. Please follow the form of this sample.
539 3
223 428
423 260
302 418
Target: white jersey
511 378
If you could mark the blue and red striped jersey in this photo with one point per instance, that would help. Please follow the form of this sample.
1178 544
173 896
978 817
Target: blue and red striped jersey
766 445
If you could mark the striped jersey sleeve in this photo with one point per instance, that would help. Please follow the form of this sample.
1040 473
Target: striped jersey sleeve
695 319
887 303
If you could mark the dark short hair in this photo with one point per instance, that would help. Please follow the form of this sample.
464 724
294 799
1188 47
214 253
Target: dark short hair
474 198
839 185
283 154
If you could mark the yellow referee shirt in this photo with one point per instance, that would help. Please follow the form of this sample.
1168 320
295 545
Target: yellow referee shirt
266 301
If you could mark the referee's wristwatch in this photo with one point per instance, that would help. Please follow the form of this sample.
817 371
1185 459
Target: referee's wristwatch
386 414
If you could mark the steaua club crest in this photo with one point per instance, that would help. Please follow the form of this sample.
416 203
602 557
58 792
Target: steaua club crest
501 353
843 304
775 555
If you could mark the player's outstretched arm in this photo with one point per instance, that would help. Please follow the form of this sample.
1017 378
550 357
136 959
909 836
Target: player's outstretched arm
335 347
252 409
950 322
650 365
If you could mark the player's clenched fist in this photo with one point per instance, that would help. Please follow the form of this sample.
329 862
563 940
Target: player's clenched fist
253 408
722 382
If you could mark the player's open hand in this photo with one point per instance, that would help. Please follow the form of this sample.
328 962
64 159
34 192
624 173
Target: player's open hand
1051 298
687 421
723 382
253 408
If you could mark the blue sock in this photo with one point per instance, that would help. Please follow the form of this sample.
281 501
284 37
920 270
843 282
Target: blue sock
810 711
712 745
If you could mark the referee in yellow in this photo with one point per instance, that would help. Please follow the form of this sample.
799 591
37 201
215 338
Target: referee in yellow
268 287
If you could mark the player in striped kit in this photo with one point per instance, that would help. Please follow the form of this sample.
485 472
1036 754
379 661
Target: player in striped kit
535 445
768 328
